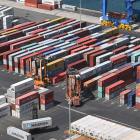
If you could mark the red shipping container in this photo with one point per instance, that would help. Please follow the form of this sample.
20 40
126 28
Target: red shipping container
136 48
126 74
26 42
6 45
92 57
74 47
31 3
37 31
60 77
120 49
87 54
121 59
124 96
67 21
24 25
5 57
137 105
47 6
78 64
90 42
27 98
138 73
46 97
78 49
114 87
107 79
84 39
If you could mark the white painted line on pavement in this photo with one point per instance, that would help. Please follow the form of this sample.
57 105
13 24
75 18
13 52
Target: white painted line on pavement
72 110
108 119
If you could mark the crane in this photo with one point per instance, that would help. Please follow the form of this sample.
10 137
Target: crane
122 21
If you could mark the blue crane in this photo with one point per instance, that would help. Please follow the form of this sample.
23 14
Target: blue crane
123 23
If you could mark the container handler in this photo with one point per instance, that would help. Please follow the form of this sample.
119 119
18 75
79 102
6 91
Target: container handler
40 72
73 87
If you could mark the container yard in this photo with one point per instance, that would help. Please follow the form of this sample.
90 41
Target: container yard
63 78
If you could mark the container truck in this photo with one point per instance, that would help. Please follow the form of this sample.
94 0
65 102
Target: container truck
19 134
37 123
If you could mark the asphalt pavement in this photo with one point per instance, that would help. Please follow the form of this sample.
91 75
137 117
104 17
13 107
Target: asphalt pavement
109 110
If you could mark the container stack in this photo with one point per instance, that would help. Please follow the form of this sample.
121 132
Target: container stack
138 87
100 129
7 21
124 96
4 107
104 82
46 98
114 89
31 3
19 89
24 104
49 4
21 96
6 17
131 99
44 4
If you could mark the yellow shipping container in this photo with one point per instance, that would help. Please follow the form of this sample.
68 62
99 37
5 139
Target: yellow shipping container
57 20
112 31
6 33
57 63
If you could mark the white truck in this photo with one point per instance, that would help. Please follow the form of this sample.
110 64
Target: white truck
19 134
37 123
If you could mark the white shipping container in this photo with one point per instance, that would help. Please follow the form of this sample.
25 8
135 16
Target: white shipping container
5 110
104 57
51 2
37 123
101 129
2 99
22 85
69 7
19 134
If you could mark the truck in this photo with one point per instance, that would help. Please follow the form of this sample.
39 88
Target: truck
19 134
37 123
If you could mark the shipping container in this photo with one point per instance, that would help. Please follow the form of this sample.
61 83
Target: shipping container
37 123
92 57
114 89
5 110
124 96
2 99
19 134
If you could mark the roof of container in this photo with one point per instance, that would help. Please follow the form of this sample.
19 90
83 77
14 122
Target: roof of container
125 91
4 104
55 61
26 95
22 82
106 54
31 46
106 129
36 120
115 84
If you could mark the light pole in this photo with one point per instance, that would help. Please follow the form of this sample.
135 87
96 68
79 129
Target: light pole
80 12
69 102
